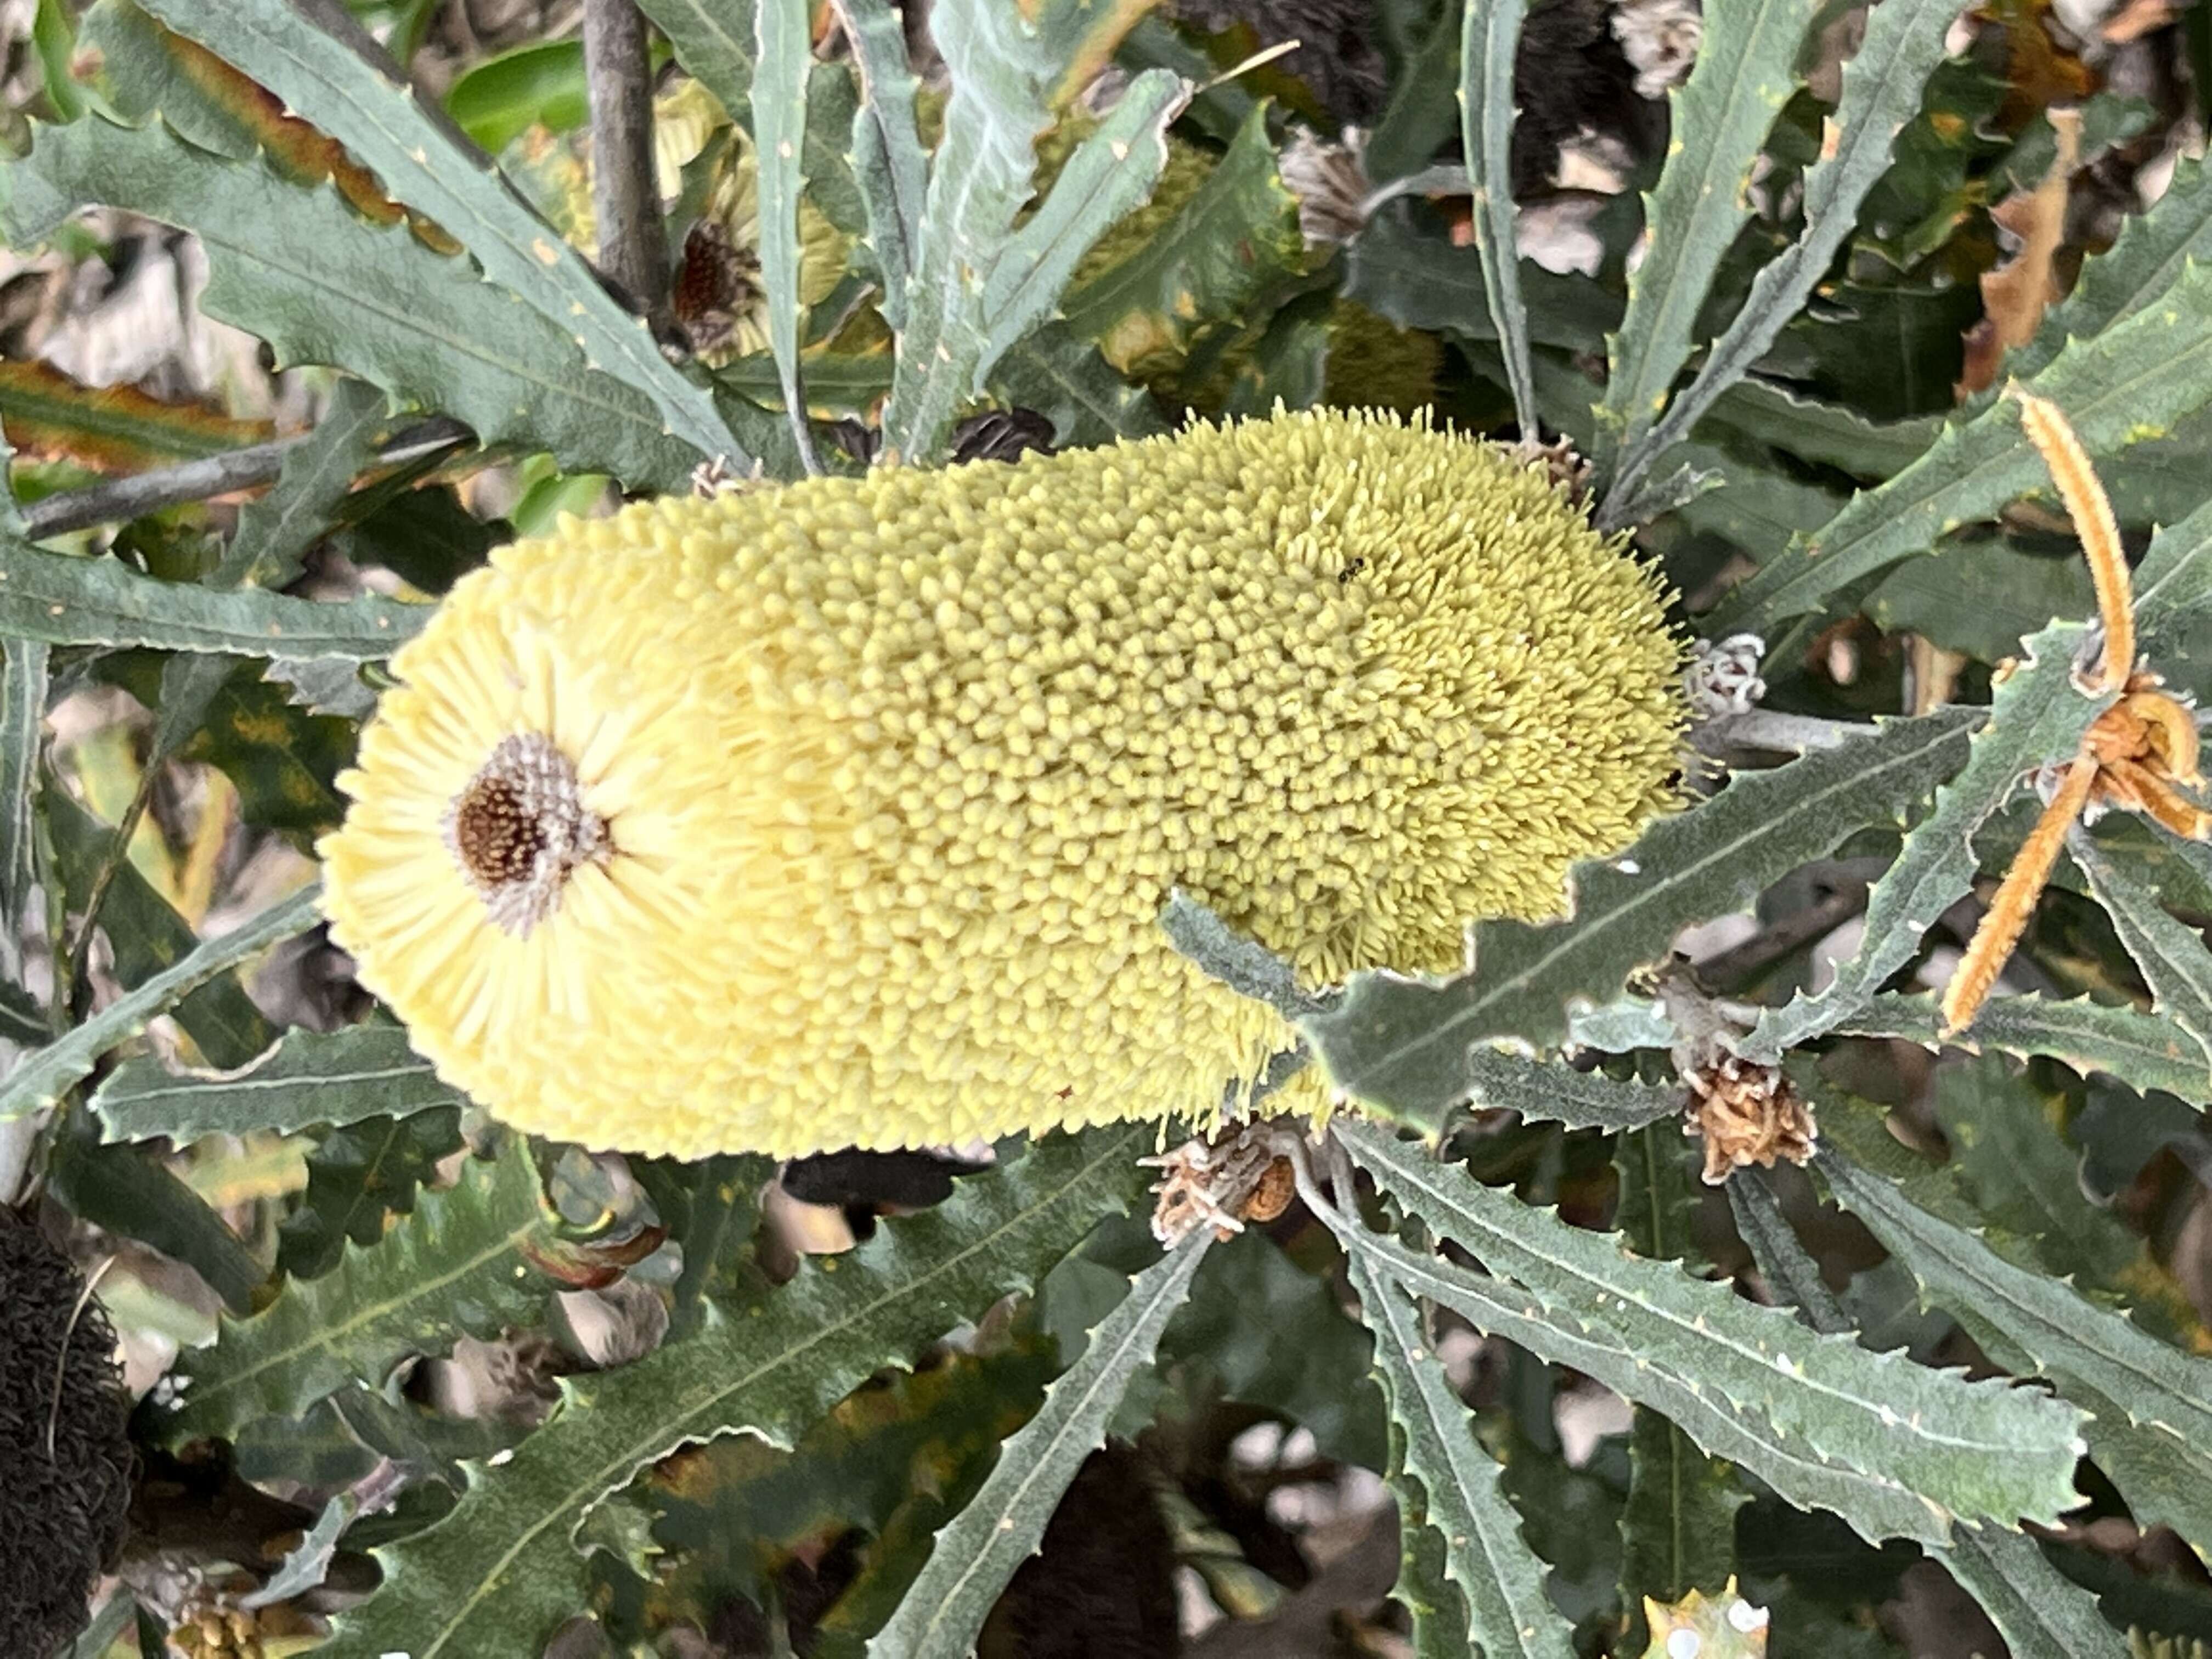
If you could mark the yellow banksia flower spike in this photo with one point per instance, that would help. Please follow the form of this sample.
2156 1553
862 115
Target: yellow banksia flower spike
842 813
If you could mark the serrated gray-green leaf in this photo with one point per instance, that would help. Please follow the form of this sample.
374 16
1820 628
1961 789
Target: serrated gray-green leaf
978 182
2174 583
1547 1092
1719 120
323 685
1485 1554
2150 255
1490 41
373 299
1066 380
889 162
502 1570
779 114
2040 1612
714 40
2013 593
424 167
1237 234
1881 91
269 546
2128 383
2032 1604
1971 1450
66 600
2172 954
1111 173
1243 964
2035 716
2151 1404
1401 1045
1827 433
460 1262
977 1553
1875 1506
310 1078
44 1077
23 718
2143 1050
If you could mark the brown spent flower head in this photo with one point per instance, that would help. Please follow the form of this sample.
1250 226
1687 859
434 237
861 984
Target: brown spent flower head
843 813
1747 1113
65 1459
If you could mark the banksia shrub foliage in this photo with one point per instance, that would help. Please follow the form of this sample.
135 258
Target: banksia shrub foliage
1029 832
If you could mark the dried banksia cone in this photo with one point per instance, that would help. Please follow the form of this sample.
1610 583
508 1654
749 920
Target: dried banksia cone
65 1459
842 814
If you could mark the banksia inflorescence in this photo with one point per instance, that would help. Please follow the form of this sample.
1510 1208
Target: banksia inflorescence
843 813
65 1462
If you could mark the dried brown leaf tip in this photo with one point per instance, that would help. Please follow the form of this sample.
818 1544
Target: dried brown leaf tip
1241 1173
1747 1113
2138 754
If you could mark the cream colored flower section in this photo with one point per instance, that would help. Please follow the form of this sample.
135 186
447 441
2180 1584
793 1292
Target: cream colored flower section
843 814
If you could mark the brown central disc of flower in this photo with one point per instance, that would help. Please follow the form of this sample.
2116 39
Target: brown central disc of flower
519 826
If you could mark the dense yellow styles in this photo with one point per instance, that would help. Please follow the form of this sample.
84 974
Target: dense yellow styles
841 814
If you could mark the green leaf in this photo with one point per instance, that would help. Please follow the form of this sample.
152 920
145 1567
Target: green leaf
270 547
66 600
1237 235
889 161
1874 1504
1424 282
43 1078
2040 1612
2014 593
1484 1553
2145 1051
979 1551
1111 173
1719 121
2174 583
22 727
466 1260
1402 1045
1678 1528
1826 432
380 124
1243 964
2129 383
114 429
1970 1449
502 1570
2035 716
542 84
370 298
1881 91
977 283
711 1208
713 39
1066 380
359 1176
1547 1091
2152 253
133 1195
779 119
1489 41
147 937
2172 954
2150 1404
312 1077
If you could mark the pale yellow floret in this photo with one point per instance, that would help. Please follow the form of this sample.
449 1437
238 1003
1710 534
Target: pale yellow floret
898 773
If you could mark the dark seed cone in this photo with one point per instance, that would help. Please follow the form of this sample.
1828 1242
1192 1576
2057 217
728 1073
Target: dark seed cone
65 1460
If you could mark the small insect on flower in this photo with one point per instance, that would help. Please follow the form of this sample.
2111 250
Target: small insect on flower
842 813
2138 754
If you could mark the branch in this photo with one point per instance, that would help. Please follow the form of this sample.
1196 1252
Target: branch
625 197
123 499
